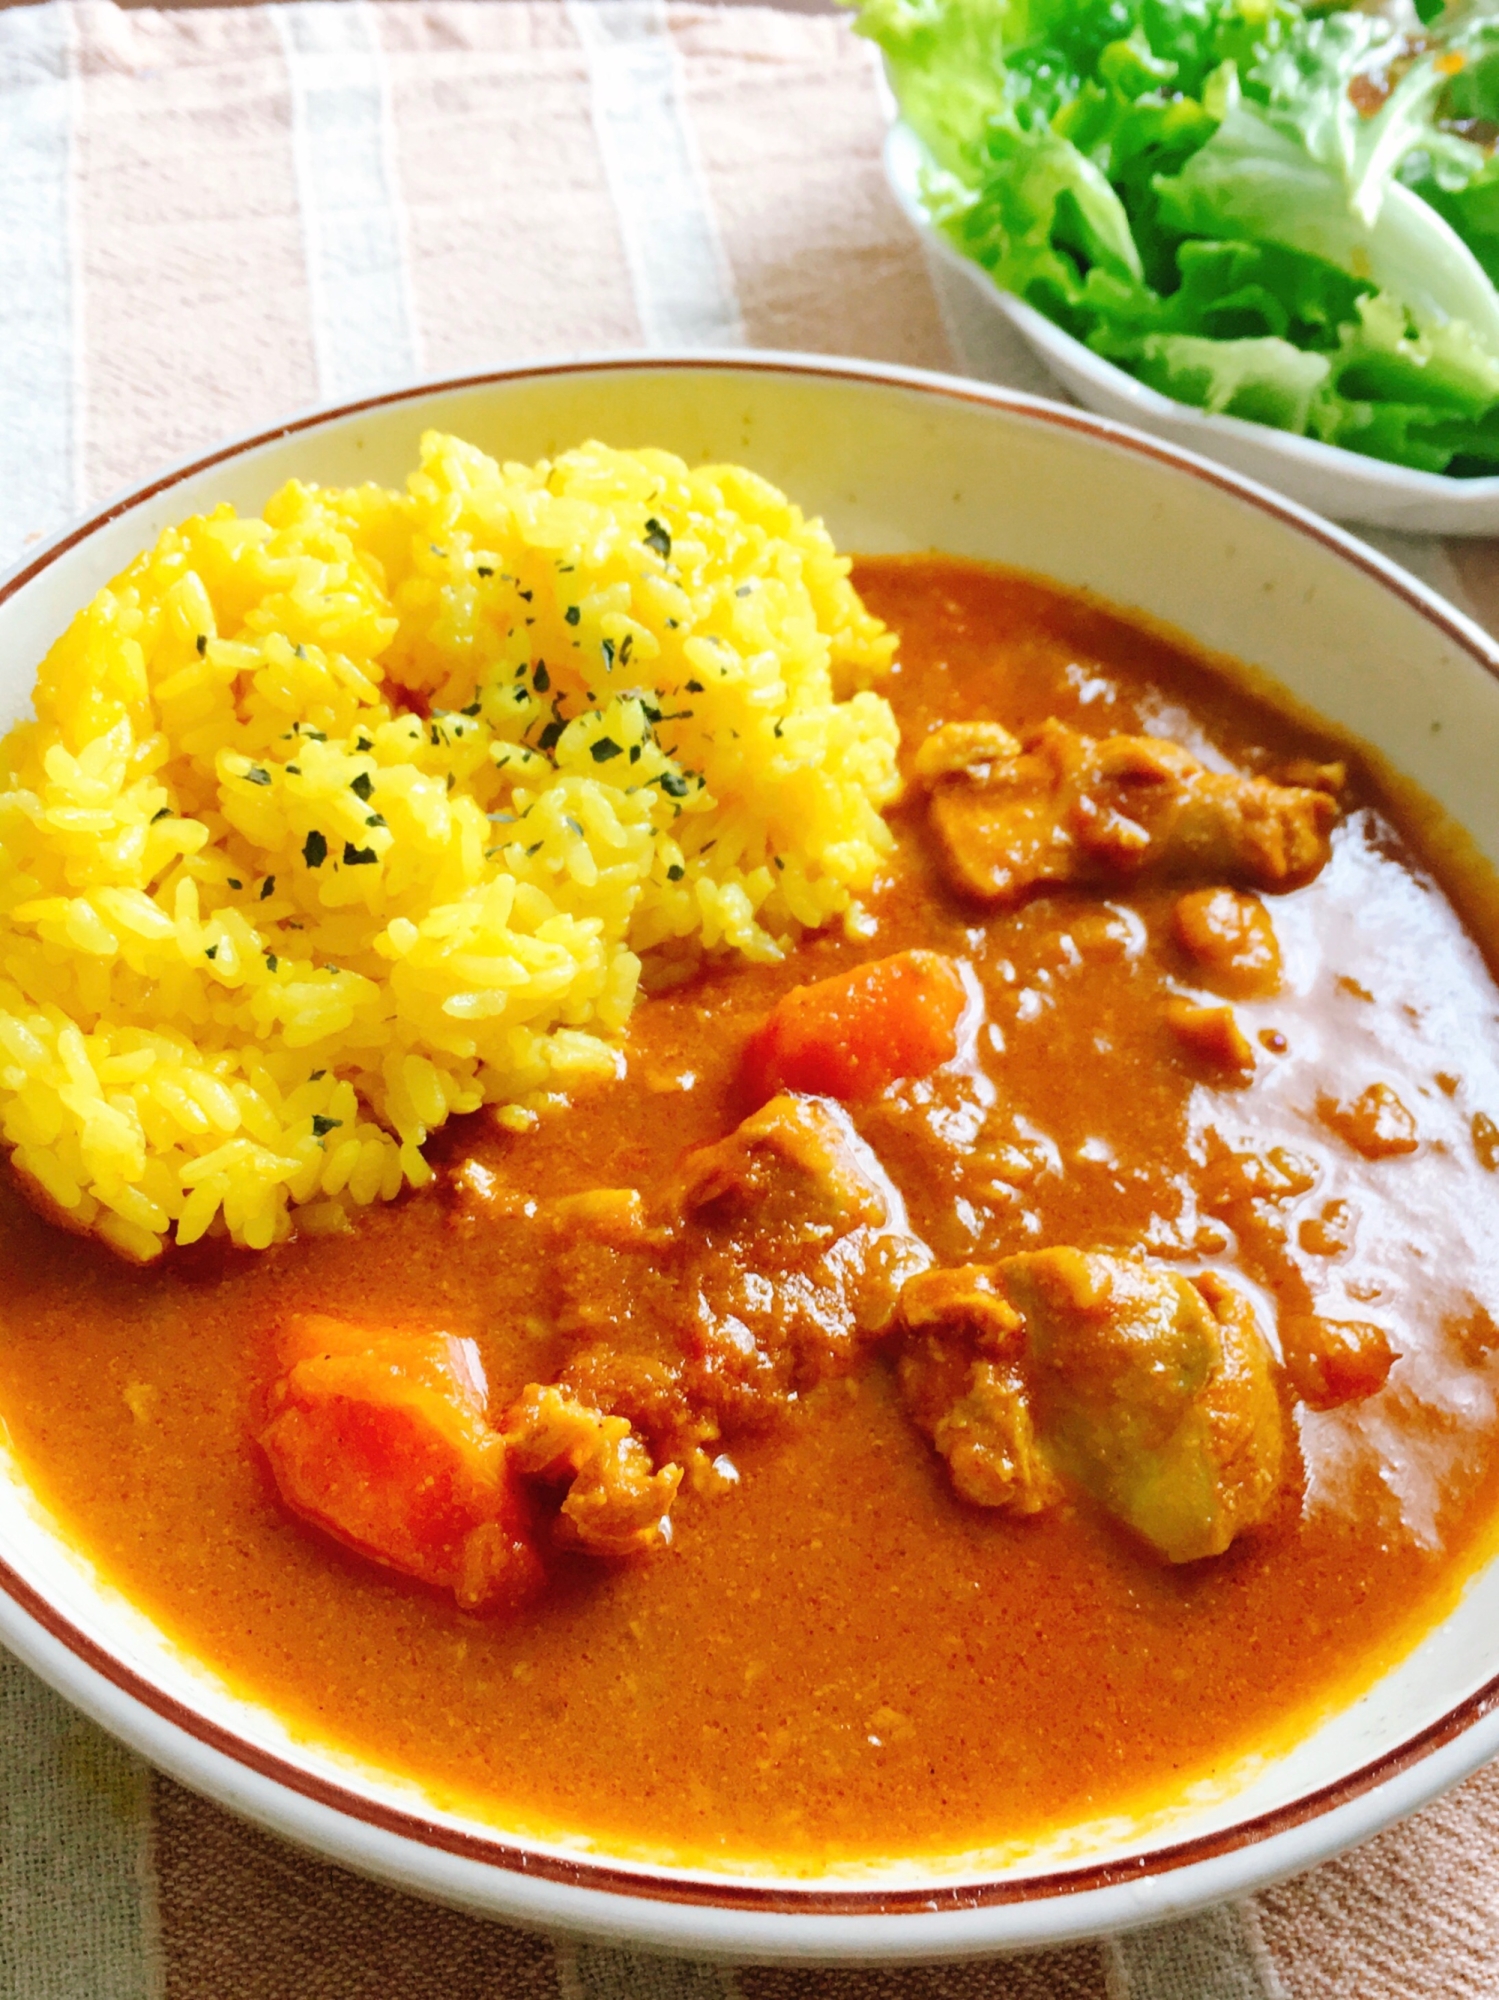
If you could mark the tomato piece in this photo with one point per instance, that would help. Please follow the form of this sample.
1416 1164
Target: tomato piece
380 1437
853 1034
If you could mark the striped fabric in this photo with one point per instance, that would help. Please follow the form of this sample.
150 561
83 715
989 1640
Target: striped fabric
211 217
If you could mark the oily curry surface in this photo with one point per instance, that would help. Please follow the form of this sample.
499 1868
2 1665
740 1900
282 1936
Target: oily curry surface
839 1655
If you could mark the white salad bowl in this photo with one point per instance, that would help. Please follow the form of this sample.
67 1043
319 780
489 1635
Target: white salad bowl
893 460
986 321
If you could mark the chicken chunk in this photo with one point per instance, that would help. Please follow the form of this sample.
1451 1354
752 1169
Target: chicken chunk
1334 1361
1210 1033
961 1379
1154 1393
616 1503
758 1270
379 1437
794 1213
1231 937
1376 1124
795 1170
1010 818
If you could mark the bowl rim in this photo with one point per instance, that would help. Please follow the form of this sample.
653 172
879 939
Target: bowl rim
568 1891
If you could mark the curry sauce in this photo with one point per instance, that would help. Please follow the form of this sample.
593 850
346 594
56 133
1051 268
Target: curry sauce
839 1656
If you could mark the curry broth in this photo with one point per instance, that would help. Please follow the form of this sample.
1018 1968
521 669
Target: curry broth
839 1657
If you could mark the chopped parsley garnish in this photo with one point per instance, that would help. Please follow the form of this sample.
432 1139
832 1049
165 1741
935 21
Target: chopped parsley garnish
362 786
744 590
212 951
267 887
674 787
358 857
322 1126
363 743
534 848
484 569
257 775
675 872
375 819
602 750
694 687
626 647
541 677
472 709
315 849
550 736
608 656
295 769
202 644
165 813
235 885
572 614
271 961
657 538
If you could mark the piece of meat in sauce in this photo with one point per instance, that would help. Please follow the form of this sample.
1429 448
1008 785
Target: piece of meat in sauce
1153 1393
1011 816
962 1379
381 1438
616 1503
1230 940
792 1228
758 1271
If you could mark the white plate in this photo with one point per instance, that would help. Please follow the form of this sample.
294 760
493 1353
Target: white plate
1344 484
894 460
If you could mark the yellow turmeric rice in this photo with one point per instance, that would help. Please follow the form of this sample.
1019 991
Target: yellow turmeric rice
337 822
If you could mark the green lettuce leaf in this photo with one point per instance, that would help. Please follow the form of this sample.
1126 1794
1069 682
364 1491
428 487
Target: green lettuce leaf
1266 380
1263 177
1260 211
946 60
1046 217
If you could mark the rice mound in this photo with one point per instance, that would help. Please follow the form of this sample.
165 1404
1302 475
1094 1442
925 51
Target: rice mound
337 822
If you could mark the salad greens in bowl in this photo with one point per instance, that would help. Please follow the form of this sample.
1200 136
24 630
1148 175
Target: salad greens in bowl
1283 215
